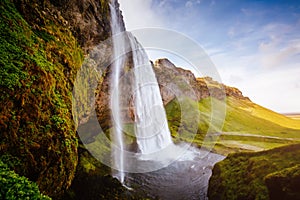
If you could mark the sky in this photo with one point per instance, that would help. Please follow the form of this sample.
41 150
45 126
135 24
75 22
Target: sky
254 44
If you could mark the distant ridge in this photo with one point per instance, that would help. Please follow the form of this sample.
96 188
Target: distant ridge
292 115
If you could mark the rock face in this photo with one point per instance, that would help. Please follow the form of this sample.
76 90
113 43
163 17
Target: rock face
88 20
175 81
43 44
172 79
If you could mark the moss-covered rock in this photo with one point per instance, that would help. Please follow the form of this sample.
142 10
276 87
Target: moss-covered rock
14 186
284 184
42 46
38 64
259 175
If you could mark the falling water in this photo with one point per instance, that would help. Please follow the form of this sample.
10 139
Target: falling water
118 49
150 123
151 126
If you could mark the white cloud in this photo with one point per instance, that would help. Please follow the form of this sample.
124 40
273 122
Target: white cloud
162 3
279 57
191 3
277 89
282 48
140 14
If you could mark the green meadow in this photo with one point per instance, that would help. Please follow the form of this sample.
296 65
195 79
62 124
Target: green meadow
245 126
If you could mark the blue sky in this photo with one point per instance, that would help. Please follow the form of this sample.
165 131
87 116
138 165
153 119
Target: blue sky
255 45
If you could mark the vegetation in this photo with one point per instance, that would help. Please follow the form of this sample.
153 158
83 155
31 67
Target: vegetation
93 180
258 175
14 186
284 184
38 65
246 126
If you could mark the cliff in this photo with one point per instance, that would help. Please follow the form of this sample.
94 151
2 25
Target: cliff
174 80
42 46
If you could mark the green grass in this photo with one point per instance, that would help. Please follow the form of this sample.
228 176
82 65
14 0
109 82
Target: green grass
244 126
253 175
277 118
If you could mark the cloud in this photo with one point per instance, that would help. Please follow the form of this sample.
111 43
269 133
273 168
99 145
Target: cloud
278 57
282 48
140 14
277 89
247 12
263 64
191 3
162 3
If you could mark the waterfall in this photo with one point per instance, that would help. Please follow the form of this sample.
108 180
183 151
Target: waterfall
150 122
151 126
118 49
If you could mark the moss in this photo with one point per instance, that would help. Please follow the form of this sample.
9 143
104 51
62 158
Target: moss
242 175
38 66
14 186
284 184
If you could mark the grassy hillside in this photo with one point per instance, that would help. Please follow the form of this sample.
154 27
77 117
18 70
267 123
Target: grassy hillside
246 126
272 174
261 112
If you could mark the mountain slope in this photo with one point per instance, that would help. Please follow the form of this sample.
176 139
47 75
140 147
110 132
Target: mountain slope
245 126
